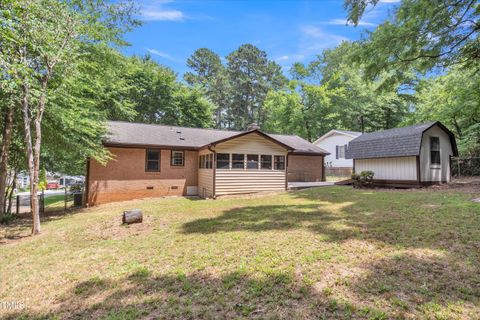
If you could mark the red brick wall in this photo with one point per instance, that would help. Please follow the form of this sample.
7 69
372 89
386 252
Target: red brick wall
305 168
124 177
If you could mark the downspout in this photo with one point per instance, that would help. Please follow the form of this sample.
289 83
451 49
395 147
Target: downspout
286 170
214 165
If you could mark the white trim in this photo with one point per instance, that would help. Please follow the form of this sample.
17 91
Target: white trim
333 131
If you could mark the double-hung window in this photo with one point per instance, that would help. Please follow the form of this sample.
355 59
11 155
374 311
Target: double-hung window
152 160
435 150
177 158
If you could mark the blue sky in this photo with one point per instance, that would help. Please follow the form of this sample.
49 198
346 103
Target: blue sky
288 31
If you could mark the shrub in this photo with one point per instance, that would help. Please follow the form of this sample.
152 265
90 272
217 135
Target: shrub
364 179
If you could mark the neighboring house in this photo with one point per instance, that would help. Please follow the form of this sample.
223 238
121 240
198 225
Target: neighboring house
336 142
414 155
156 160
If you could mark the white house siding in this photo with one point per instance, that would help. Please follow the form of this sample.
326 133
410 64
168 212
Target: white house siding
329 144
435 173
398 168
205 179
235 181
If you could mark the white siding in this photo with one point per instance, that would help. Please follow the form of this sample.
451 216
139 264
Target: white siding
329 144
235 181
247 181
205 179
399 168
431 172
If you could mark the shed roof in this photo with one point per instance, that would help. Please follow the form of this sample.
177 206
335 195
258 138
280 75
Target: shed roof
132 134
397 142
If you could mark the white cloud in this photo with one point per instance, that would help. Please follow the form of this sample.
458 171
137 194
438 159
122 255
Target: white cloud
389 1
163 15
155 11
344 22
162 54
316 38
293 57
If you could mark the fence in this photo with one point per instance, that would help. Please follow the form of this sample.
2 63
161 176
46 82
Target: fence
462 167
51 201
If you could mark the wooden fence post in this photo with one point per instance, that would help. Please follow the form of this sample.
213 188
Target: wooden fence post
66 196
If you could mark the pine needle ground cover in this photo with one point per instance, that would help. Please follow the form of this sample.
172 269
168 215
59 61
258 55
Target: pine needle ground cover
332 252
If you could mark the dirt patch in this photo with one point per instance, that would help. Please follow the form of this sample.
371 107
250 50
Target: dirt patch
113 229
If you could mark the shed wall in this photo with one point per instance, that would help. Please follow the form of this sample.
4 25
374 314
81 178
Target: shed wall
435 173
398 168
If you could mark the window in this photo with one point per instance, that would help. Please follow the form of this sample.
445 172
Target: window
341 151
238 161
223 161
177 159
266 161
206 161
252 161
434 150
209 161
152 160
279 163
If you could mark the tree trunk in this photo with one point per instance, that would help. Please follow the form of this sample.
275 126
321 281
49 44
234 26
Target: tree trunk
30 161
7 138
10 195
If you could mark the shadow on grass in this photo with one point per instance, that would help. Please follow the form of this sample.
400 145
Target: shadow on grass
417 220
401 287
20 226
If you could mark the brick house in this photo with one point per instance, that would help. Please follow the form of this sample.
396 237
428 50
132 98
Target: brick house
157 160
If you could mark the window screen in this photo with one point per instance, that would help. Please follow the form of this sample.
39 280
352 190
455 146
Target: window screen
152 160
266 161
252 161
279 163
238 161
178 159
223 161
434 150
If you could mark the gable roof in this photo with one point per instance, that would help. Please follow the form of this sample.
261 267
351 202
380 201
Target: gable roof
133 134
352 134
397 142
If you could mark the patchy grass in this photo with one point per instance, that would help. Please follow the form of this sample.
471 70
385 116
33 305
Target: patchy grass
320 253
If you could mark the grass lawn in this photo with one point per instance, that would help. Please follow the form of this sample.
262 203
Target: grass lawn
333 253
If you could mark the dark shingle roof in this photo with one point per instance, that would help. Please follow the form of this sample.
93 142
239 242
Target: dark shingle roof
396 142
130 133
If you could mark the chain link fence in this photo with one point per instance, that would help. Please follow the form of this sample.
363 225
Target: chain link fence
61 200
465 167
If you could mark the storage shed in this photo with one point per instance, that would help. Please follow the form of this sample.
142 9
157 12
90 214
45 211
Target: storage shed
409 156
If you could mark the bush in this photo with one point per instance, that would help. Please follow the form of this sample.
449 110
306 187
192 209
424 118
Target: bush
364 179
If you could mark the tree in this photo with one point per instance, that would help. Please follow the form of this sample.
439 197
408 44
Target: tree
423 34
209 74
42 43
453 99
251 76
